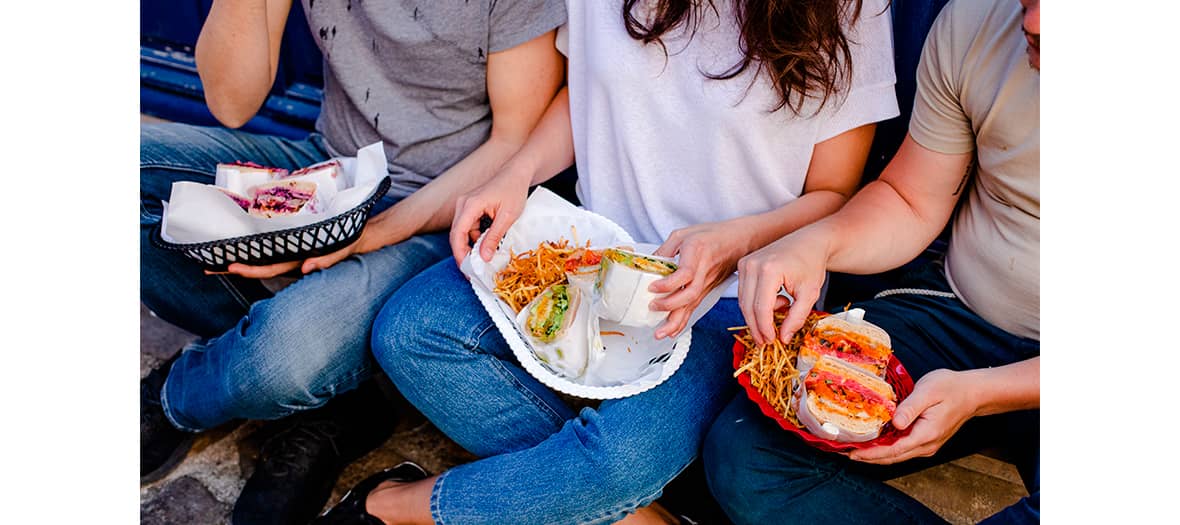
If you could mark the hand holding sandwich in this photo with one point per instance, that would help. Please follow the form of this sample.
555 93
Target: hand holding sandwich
940 403
708 254
943 400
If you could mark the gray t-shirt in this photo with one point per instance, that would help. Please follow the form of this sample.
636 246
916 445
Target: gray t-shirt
413 74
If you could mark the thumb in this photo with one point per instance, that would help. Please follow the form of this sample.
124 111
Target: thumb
913 406
323 261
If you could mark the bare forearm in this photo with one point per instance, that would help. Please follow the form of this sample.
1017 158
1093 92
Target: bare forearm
1007 388
875 232
764 228
432 207
550 146
895 217
237 56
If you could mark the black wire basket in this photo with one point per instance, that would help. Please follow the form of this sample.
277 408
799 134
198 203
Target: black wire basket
292 244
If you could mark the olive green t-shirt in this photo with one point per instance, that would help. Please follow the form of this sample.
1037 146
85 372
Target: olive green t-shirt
977 92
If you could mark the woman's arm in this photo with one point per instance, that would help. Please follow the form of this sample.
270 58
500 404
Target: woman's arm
237 56
550 149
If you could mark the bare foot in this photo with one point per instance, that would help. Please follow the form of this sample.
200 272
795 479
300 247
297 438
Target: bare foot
653 514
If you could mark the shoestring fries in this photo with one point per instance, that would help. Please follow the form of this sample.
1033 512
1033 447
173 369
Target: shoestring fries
530 273
772 366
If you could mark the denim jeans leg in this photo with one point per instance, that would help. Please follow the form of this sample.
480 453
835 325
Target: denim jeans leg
755 469
435 342
297 349
173 286
607 461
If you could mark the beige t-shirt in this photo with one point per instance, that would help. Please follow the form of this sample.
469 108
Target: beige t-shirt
976 91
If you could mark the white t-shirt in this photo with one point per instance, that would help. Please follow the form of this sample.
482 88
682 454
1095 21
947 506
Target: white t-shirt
660 146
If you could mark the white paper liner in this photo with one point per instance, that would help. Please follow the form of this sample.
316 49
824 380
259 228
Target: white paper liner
197 213
827 430
618 365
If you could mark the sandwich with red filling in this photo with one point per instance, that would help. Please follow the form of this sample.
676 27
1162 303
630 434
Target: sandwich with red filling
849 338
843 403
284 197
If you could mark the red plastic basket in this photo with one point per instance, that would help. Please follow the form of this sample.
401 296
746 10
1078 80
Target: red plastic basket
895 375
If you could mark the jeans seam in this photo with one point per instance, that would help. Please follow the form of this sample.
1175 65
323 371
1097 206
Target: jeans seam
177 167
234 292
435 496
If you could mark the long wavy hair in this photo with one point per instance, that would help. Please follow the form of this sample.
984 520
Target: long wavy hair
800 43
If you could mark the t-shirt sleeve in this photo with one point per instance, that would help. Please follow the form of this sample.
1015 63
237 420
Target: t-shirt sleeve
939 122
871 96
514 22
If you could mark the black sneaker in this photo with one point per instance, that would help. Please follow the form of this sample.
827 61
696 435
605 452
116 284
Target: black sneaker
294 478
161 445
298 467
351 509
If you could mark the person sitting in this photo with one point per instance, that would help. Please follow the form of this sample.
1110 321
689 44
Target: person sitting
452 90
711 128
966 327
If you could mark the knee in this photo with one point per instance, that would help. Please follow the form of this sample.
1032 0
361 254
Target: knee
743 471
726 464
291 364
630 467
398 332
415 330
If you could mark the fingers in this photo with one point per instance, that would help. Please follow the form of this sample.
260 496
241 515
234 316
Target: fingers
466 220
805 298
677 280
324 262
674 323
763 305
491 242
901 450
262 272
924 440
747 285
670 246
920 400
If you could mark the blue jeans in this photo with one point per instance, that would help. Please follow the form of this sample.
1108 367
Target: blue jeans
757 470
261 355
542 461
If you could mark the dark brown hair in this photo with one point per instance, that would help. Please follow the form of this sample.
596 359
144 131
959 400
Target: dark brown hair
799 43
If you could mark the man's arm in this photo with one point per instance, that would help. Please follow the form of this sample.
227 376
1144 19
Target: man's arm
237 56
895 217
886 224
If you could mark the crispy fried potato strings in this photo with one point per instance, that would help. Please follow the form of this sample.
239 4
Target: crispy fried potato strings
772 366
530 273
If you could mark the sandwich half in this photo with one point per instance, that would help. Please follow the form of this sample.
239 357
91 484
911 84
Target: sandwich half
284 197
858 343
552 312
843 403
